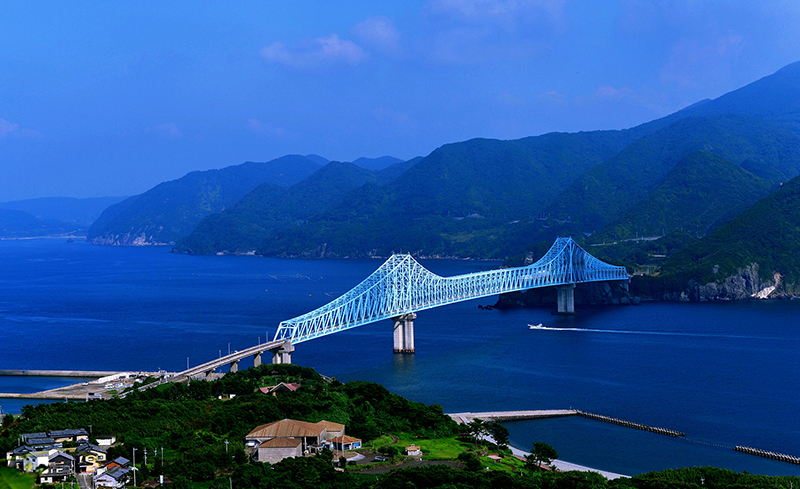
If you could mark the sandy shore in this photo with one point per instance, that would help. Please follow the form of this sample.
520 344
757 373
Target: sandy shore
564 466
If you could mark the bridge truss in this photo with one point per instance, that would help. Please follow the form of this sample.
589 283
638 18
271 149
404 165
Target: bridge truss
402 286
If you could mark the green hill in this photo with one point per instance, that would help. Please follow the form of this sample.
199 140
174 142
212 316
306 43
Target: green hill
702 191
741 257
269 208
18 224
172 209
606 190
454 200
76 212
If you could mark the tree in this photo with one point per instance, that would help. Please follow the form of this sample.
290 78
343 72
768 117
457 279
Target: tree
542 453
342 461
477 428
500 435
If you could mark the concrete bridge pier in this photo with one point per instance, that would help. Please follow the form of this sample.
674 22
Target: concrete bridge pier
404 333
257 359
566 299
234 366
210 374
283 354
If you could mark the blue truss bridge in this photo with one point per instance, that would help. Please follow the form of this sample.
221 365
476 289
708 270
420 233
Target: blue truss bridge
401 287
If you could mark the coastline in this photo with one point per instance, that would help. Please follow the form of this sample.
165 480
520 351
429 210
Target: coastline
565 466
499 416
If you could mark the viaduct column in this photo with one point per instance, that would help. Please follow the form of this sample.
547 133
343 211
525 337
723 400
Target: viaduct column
404 333
566 299
283 354
257 359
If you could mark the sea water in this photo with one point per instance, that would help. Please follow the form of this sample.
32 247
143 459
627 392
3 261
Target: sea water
724 374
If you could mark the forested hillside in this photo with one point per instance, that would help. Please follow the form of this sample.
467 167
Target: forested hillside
170 211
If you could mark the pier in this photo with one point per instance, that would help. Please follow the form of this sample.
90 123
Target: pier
90 389
767 454
631 424
500 416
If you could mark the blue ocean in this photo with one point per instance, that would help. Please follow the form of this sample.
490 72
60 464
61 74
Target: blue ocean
724 374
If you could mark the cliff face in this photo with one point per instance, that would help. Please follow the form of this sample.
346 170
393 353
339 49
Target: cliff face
744 285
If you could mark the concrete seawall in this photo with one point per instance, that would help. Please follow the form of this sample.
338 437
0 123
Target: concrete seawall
56 373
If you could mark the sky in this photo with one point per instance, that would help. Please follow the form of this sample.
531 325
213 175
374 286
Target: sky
110 98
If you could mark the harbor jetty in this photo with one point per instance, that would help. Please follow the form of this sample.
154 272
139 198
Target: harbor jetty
56 373
630 424
767 454
500 416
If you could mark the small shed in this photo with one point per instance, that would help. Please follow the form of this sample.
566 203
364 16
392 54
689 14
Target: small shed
413 451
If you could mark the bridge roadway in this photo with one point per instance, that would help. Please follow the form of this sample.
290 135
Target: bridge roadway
281 353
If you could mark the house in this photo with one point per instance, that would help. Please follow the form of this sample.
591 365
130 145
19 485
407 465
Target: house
343 443
277 449
90 457
112 478
308 434
40 441
60 466
72 435
413 451
105 440
281 387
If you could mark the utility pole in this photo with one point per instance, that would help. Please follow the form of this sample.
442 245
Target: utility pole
134 462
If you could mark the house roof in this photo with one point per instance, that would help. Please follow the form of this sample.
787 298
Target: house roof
85 446
292 386
121 461
68 432
281 442
287 427
62 454
331 426
345 439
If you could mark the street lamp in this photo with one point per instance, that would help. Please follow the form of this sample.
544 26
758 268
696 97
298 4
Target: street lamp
134 465
226 446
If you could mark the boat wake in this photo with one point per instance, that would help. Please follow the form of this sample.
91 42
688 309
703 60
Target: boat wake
653 333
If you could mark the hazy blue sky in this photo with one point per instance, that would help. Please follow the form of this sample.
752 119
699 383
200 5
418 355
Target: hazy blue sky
111 98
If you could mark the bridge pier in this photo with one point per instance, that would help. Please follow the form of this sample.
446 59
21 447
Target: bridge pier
257 359
234 366
566 299
283 354
210 375
404 333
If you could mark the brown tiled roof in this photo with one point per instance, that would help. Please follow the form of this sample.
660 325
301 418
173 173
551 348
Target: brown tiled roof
287 427
281 442
330 425
345 439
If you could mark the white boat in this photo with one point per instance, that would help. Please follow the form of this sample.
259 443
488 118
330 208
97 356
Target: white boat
536 326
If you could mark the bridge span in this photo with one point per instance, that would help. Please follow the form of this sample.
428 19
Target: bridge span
401 287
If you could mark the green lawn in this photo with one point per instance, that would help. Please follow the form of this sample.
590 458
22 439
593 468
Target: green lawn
447 448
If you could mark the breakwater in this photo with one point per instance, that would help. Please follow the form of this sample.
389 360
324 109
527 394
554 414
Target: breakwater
767 454
630 424
56 373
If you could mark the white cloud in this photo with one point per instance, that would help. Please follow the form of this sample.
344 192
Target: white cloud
11 129
509 12
168 130
7 128
611 93
312 53
269 130
553 97
378 33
